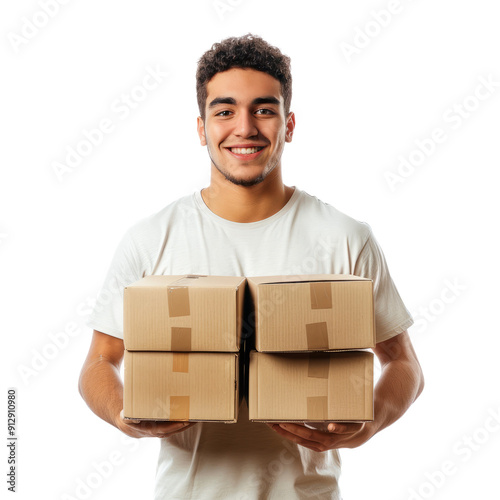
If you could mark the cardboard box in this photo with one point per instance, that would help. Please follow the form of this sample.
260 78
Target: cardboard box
334 386
184 313
181 386
318 312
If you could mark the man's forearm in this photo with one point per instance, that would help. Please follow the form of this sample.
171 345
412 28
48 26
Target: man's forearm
101 387
399 385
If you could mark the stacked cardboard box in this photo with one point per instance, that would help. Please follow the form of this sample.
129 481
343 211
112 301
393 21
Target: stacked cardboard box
182 338
309 334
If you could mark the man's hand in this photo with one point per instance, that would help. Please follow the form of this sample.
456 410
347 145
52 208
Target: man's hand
140 429
399 385
339 435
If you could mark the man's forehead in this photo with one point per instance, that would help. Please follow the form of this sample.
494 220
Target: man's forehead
243 85
257 101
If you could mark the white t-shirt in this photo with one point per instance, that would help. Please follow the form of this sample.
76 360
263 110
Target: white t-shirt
246 460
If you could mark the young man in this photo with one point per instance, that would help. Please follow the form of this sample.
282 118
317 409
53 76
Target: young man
248 223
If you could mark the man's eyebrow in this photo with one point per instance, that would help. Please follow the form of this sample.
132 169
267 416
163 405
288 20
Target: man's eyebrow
221 100
266 100
258 100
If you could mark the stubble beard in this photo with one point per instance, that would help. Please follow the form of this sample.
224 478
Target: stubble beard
242 182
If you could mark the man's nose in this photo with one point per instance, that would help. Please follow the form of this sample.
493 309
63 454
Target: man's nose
245 125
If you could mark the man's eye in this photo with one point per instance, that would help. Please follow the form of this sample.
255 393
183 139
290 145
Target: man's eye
221 113
267 111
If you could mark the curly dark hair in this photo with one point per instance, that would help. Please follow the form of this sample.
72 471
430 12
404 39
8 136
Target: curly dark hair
247 51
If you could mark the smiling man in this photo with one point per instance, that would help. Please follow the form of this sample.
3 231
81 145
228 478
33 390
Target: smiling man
244 125
262 128
248 223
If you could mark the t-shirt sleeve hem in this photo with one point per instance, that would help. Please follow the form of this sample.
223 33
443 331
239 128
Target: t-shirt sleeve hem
395 331
108 330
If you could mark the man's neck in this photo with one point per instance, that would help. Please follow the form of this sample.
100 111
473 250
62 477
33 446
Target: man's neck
246 204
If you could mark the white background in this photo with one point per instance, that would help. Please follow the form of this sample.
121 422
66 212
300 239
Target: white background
355 117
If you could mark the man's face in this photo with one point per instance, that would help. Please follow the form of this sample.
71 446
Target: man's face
245 109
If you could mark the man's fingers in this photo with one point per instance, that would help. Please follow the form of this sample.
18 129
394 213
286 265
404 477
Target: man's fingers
132 421
166 427
298 439
178 426
345 435
309 433
171 428
158 427
301 431
174 426
345 428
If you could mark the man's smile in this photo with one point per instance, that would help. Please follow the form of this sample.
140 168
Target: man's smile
245 152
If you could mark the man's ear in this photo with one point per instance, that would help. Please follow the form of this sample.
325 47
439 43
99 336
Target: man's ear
200 126
290 126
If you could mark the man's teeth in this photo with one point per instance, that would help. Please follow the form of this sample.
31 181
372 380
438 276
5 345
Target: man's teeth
245 151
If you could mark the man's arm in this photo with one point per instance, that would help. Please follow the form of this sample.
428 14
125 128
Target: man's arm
399 385
101 387
401 381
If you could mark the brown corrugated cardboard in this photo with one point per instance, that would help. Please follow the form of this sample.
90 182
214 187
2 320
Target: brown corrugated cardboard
318 312
184 313
332 386
181 386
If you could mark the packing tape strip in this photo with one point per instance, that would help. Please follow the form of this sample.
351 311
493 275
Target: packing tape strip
317 408
181 339
179 407
321 295
318 366
178 301
178 295
317 336
180 362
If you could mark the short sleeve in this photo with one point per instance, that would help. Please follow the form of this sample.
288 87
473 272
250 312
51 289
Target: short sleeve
125 268
391 315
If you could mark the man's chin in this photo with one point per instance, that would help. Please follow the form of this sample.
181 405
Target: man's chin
245 182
